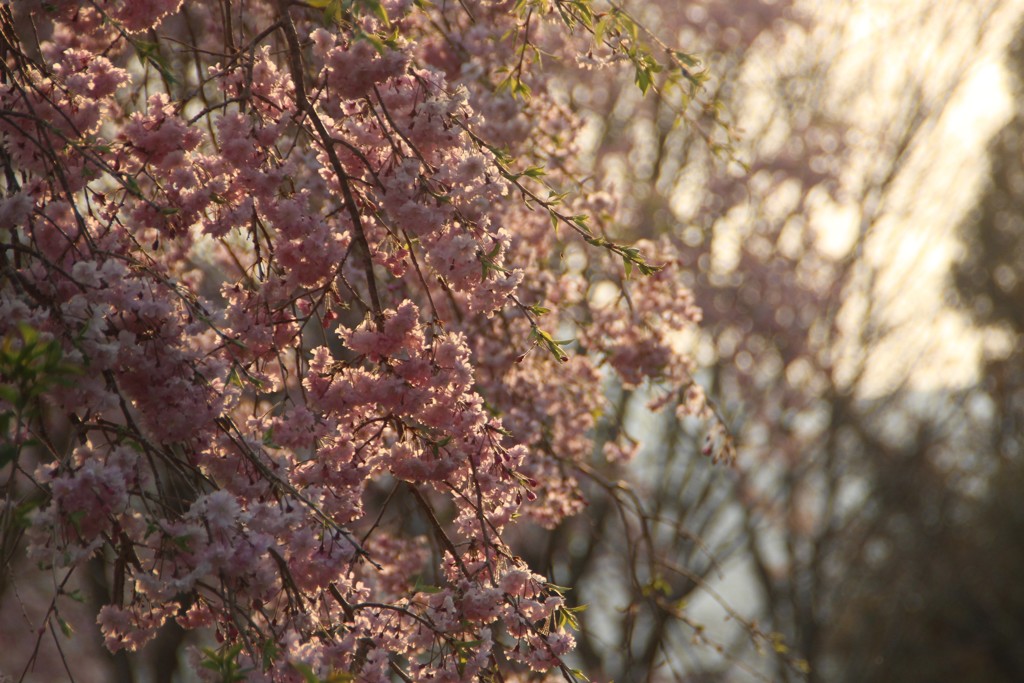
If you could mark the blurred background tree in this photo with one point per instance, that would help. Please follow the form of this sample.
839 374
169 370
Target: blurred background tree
936 596
869 531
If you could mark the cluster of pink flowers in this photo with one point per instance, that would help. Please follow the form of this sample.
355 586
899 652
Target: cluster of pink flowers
306 301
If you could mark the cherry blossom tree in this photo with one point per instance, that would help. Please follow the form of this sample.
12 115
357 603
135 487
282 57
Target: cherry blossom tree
289 348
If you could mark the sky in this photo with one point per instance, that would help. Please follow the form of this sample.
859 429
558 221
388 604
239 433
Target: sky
954 53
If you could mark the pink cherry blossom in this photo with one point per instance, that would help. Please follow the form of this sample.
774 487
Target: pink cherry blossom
296 273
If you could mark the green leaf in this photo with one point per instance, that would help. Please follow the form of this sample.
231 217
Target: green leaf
9 393
333 12
269 653
76 518
421 587
579 674
521 90
133 186
306 671
688 60
235 379
65 627
377 9
554 347
643 79
535 172
8 453
22 512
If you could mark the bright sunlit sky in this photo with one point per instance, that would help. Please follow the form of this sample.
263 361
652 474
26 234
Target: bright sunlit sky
957 60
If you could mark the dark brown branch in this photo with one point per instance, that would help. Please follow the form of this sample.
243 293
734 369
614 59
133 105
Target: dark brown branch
305 106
